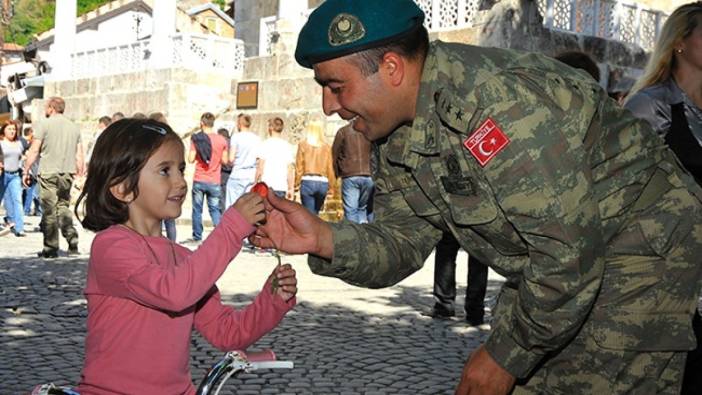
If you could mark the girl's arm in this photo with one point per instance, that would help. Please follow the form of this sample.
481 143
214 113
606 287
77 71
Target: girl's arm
229 329
123 266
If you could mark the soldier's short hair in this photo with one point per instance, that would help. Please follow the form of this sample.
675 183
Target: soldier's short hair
413 46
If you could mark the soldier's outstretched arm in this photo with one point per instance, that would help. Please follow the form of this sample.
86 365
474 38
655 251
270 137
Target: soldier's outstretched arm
382 253
291 228
370 255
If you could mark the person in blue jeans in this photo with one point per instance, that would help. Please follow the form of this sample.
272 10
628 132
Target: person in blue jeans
243 150
31 192
213 193
351 152
314 171
31 195
13 149
209 151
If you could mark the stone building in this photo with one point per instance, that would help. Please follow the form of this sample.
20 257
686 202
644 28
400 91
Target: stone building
204 75
184 73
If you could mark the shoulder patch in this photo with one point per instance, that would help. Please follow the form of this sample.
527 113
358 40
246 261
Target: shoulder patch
486 142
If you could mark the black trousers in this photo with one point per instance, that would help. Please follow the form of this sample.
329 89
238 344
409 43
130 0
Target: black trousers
445 278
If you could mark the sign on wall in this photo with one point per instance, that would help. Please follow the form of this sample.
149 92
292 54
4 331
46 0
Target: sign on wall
247 95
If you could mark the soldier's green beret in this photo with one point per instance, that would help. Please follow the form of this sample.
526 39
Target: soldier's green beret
341 27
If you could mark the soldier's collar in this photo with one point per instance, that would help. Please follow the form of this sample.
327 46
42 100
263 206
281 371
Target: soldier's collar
425 131
407 143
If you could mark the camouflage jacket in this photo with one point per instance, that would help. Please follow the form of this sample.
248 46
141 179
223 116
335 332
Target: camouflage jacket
533 169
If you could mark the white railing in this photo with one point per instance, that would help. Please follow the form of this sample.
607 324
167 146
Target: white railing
608 19
265 37
190 51
448 14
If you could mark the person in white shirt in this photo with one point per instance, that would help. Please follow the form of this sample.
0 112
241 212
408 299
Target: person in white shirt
242 156
276 161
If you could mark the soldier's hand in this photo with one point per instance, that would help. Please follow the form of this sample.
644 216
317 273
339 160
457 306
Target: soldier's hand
292 228
482 375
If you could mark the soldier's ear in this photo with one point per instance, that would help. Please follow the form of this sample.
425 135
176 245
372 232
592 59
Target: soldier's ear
392 67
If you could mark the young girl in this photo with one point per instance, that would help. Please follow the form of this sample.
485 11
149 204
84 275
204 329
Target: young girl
145 293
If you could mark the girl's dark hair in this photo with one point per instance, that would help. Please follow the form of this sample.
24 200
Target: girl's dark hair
120 153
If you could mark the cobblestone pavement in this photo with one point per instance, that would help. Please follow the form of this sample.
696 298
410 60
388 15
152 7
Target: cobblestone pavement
342 339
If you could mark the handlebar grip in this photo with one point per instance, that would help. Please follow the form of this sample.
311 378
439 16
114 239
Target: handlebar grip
259 356
272 365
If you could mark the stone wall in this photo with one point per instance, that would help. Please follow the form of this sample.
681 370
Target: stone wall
289 91
182 95
247 16
517 24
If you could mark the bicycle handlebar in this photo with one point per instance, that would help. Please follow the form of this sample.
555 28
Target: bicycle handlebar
235 362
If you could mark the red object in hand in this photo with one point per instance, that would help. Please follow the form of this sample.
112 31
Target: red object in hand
261 188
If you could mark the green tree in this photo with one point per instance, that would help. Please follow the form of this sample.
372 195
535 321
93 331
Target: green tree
32 17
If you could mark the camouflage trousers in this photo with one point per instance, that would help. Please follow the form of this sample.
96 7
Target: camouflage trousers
636 338
55 196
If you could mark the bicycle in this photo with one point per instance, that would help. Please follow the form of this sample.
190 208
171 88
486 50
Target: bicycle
232 364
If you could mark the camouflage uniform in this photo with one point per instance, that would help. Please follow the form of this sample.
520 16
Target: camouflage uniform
584 211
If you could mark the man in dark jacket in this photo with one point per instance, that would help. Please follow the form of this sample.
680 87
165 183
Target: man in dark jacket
351 155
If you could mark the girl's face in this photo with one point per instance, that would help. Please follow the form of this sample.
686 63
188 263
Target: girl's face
162 187
10 132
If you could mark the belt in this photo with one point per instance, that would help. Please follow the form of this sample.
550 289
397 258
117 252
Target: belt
12 172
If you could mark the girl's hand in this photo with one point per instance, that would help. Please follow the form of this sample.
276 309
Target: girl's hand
250 206
287 282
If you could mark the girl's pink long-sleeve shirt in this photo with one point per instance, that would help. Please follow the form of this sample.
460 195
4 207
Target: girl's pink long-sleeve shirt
142 309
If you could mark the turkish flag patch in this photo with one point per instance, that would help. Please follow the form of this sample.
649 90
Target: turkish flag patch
486 142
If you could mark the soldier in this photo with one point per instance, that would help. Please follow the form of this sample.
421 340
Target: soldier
537 174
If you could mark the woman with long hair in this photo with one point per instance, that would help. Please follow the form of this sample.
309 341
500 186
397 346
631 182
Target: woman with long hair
314 172
13 150
669 96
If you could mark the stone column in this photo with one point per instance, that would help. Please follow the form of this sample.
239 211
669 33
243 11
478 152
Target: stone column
164 27
64 39
290 21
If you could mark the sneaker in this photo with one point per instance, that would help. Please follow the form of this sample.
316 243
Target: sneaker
191 241
48 254
73 250
20 234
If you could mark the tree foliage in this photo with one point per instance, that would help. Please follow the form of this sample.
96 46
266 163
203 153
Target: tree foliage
31 17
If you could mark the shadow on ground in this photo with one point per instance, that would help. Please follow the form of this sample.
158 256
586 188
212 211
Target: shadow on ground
335 349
